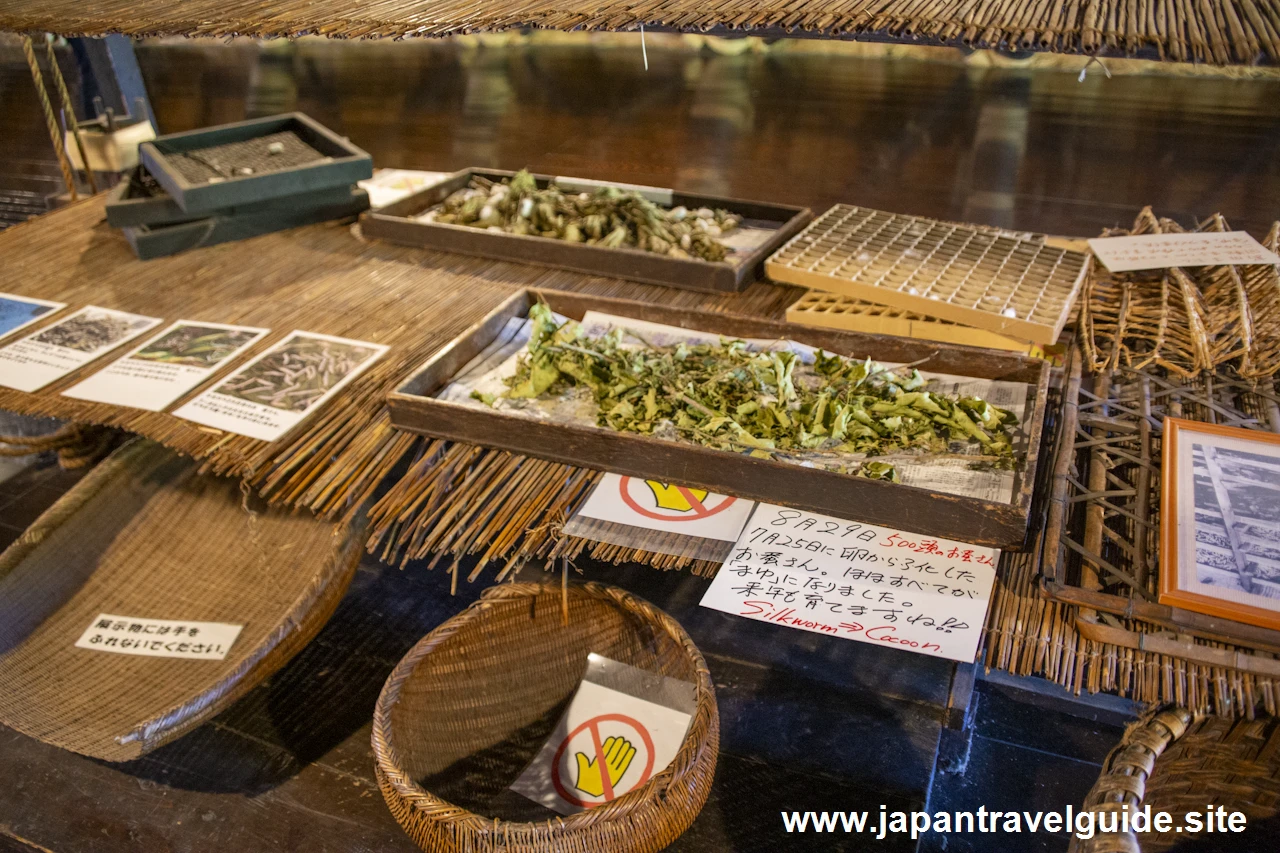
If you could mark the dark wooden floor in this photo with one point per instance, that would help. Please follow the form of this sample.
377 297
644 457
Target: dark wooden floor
289 767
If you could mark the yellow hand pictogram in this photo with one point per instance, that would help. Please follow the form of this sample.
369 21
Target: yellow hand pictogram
618 753
670 497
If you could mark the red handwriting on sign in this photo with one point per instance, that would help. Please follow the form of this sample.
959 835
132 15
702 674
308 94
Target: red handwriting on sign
592 727
931 546
766 612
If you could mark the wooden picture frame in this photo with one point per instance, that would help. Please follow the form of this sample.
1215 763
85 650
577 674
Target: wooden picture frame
1220 512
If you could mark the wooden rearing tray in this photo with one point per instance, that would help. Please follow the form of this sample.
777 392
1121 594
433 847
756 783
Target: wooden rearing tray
1003 525
395 224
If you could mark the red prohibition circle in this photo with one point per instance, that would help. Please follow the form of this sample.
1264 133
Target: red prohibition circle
594 725
699 510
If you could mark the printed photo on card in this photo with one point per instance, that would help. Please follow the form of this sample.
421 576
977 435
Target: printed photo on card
31 363
606 744
858 582
169 365
669 507
18 312
277 390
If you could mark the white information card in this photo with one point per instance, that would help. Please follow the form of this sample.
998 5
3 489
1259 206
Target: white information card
159 638
167 366
1160 251
857 581
31 363
276 391
18 312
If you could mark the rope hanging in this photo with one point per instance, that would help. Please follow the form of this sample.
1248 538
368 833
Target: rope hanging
55 71
55 133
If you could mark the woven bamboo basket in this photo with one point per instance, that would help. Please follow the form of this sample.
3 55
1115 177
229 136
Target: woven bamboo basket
1173 762
463 708
144 535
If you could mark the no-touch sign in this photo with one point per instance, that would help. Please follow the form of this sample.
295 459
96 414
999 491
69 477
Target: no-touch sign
668 507
606 744
670 502
602 759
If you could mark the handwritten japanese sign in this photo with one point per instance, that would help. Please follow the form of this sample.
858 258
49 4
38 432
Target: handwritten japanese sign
163 638
1160 251
857 581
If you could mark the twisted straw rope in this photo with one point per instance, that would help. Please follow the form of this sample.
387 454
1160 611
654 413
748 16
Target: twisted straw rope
55 135
74 126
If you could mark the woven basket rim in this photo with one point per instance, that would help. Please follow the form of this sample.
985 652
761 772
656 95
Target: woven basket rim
701 725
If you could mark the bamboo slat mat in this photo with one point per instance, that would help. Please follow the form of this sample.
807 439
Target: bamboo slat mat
1217 31
320 278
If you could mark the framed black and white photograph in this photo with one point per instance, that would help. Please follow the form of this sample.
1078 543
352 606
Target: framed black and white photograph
1220 522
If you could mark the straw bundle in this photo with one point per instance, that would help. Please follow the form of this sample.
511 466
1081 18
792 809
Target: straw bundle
1186 321
1028 634
1262 290
1217 31
505 510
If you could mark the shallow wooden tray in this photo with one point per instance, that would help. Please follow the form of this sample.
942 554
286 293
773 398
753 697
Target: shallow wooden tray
343 163
414 408
393 223
144 535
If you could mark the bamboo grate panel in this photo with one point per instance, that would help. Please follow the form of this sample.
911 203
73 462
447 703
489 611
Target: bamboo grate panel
1186 321
833 311
1217 31
1010 284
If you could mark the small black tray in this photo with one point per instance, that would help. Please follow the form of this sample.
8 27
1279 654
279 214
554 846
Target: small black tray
128 204
157 241
393 223
339 163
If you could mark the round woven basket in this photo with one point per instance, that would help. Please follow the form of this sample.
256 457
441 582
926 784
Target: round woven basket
1175 763
473 690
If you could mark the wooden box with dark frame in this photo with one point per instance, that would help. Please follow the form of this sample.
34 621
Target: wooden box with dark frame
127 206
393 224
341 164
155 241
981 522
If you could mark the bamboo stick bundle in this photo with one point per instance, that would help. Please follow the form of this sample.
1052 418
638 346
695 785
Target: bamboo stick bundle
1262 290
1187 321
